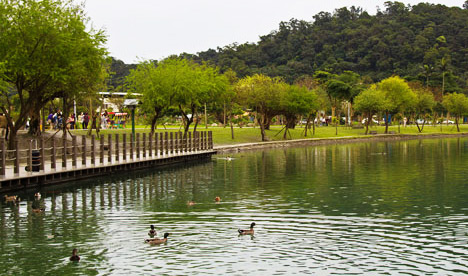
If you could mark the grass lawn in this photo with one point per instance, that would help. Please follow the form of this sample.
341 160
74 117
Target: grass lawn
222 136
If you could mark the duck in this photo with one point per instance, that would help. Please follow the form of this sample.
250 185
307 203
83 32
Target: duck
152 232
217 199
229 158
75 257
247 232
157 240
191 203
38 210
12 198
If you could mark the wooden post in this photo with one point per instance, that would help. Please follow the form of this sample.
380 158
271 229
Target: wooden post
171 147
138 146
150 144
144 145
166 142
41 153
210 138
206 140
53 158
30 157
101 153
161 146
132 146
176 135
124 145
74 151
84 150
189 142
109 148
17 157
117 153
3 156
156 147
93 150
64 153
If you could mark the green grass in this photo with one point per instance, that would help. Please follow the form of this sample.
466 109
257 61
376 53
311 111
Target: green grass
222 136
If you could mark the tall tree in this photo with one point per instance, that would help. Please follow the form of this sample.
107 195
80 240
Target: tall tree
262 94
370 102
47 52
457 105
399 95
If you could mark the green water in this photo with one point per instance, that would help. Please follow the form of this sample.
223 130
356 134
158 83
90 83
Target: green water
390 208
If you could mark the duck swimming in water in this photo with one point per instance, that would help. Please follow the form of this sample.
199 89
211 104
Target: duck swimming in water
152 232
12 198
158 241
247 232
75 257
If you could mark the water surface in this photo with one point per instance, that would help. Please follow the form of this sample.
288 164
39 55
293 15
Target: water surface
388 208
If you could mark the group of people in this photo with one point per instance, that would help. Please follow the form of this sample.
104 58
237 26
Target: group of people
111 120
56 120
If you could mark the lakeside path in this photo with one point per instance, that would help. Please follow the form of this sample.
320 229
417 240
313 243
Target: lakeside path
331 140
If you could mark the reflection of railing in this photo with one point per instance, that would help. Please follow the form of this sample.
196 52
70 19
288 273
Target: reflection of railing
111 150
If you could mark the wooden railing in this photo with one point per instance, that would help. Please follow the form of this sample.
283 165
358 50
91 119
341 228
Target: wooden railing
111 149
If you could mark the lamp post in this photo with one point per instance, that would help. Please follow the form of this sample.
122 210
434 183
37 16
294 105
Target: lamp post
132 103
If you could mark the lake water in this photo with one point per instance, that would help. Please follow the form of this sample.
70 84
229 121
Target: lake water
387 208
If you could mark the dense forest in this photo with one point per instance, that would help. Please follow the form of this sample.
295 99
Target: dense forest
425 42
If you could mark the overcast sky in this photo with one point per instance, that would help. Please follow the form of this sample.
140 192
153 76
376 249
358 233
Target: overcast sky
155 29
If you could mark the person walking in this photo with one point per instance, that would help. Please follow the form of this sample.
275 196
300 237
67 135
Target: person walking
85 120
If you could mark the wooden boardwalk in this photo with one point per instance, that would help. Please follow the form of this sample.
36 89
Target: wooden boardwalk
54 164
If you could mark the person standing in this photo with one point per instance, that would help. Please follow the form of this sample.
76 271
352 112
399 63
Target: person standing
85 120
80 119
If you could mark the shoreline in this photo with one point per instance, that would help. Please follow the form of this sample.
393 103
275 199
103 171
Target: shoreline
330 140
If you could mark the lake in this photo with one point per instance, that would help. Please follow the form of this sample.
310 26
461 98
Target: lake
379 208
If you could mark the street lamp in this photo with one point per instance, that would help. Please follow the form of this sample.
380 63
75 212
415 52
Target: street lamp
132 103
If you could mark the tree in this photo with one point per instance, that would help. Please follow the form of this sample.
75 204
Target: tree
262 94
193 85
154 82
423 106
296 101
457 105
47 53
399 95
370 102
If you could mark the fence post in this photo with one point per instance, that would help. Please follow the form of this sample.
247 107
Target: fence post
124 145
17 157
93 150
53 158
64 153
3 156
171 147
166 142
84 150
109 148
177 143
161 145
74 151
210 139
101 153
144 145
156 145
150 142
30 167
41 154
117 158
132 145
138 146
189 142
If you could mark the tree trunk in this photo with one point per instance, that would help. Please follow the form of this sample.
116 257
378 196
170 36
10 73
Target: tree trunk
153 123
369 118
456 121
232 127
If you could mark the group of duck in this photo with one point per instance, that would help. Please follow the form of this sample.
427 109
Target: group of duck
16 199
154 241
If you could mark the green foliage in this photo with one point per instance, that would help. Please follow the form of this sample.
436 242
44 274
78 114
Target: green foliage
398 93
397 40
46 52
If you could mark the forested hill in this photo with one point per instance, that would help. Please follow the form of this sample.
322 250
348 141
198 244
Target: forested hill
416 42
